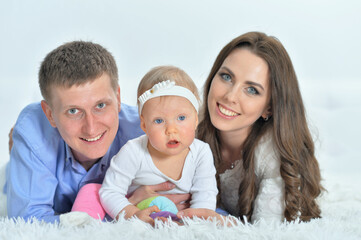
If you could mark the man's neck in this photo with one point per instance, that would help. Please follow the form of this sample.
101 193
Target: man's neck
88 164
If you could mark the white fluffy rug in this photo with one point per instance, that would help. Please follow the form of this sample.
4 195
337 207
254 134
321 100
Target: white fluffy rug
341 211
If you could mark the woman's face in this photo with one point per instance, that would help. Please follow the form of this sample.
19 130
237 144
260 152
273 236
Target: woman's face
239 92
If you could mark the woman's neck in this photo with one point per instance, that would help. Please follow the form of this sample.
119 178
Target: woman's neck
232 145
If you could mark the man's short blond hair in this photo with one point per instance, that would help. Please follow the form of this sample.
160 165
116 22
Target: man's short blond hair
76 63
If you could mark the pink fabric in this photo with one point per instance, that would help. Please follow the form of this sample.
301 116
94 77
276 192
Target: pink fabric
88 201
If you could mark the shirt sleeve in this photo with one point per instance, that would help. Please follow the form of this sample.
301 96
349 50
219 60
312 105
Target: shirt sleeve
30 184
269 203
204 186
119 176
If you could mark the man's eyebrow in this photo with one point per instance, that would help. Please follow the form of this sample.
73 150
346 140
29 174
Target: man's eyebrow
105 99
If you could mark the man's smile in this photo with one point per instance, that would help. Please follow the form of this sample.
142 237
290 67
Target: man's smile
93 139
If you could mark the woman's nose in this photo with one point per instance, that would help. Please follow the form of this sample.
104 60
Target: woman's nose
232 94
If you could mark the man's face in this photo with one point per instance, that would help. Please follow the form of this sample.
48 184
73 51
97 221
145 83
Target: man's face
86 117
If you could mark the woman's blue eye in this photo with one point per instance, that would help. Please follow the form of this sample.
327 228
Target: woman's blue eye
252 90
181 118
73 111
226 77
101 105
158 121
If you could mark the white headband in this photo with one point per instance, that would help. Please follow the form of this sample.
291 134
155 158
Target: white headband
167 88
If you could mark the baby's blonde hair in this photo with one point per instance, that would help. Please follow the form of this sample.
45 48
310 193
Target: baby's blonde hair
163 73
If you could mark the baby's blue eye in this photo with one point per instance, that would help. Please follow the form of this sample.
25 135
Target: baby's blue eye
158 121
73 111
252 90
226 77
181 118
101 105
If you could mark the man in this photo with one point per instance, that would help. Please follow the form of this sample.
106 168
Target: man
68 139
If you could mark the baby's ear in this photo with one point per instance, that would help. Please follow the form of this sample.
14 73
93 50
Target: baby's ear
196 121
142 124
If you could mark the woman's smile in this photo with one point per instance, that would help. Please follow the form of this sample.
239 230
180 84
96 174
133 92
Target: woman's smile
226 112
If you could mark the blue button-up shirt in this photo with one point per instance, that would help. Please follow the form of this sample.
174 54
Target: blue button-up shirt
43 178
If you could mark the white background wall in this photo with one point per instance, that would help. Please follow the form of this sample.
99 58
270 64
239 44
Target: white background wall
323 38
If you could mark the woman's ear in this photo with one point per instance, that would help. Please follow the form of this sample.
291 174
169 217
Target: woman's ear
267 113
48 113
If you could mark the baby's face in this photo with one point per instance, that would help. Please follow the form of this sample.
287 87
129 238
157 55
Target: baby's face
170 123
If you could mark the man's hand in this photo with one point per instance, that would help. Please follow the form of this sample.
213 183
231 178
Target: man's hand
144 192
180 200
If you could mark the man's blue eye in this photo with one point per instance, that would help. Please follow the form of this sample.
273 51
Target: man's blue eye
252 90
181 118
226 77
73 111
101 105
158 121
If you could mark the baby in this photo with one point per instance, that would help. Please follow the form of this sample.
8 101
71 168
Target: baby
168 106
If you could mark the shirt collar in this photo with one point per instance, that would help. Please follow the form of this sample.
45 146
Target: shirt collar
69 159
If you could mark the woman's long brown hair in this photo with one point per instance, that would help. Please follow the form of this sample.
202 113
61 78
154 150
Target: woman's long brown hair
288 127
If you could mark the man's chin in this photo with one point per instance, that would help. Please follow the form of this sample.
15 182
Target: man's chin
90 156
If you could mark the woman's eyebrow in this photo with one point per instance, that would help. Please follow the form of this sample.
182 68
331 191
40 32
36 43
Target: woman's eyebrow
228 70
247 82
256 84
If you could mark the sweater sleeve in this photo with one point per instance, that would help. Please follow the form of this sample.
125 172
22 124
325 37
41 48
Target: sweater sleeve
269 203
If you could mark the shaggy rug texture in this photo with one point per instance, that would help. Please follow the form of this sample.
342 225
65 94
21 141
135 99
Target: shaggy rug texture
341 219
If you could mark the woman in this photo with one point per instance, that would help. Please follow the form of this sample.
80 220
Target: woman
254 121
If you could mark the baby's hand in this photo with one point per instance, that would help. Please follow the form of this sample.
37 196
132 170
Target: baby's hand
144 214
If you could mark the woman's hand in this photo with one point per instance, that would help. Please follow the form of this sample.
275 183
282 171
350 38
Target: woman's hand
201 213
144 192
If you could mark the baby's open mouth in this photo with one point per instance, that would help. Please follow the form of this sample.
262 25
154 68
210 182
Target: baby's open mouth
173 142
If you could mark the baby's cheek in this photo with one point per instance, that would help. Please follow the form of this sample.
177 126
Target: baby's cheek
189 132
